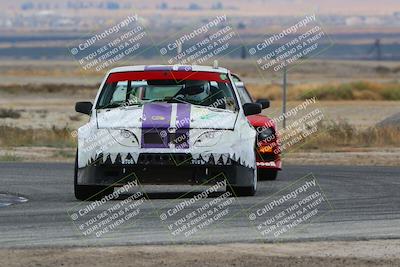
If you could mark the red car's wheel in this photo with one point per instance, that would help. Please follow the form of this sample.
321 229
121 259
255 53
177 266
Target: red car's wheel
267 174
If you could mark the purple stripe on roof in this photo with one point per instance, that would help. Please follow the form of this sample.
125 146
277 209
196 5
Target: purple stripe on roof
158 68
180 68
185 68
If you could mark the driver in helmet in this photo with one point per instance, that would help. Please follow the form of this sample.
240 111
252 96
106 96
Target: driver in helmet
194 91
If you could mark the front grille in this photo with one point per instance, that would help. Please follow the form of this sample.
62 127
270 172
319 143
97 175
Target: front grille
162 138
164 159
153 138
180 138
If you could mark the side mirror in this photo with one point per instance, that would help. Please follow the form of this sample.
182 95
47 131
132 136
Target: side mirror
83 107
251 109
264 103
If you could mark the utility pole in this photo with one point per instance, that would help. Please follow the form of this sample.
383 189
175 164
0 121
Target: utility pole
378 49
284 88
243 53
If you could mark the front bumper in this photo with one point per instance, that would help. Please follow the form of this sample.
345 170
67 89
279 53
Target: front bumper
165 168
269 161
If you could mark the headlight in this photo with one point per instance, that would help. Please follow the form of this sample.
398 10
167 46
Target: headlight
210 138
125 137
266 134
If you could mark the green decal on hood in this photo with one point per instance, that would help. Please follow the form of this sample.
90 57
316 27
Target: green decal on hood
208 116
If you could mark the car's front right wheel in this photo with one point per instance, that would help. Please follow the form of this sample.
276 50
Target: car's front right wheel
245 191
88 192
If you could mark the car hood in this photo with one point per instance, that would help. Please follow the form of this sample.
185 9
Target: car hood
166 115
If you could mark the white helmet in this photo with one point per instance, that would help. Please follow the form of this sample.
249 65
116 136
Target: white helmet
197 90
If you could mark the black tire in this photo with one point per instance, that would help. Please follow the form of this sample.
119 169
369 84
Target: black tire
247 191
88 192
267 174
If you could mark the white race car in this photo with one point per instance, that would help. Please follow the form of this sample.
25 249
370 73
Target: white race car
166 125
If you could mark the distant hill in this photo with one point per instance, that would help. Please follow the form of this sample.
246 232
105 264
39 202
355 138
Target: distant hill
248 7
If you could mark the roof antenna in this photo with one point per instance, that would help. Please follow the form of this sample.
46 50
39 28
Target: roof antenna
215 65
179 49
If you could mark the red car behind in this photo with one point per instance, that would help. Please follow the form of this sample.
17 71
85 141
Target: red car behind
268 147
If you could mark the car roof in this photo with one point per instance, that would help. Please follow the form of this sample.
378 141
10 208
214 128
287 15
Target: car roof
168 67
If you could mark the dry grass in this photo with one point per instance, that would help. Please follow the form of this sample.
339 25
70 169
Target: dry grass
54 137
333 135
361 90
8 157
75 117
47 88
355 91
330 136
9 113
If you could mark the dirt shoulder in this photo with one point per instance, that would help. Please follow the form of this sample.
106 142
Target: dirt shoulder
340 253
353 157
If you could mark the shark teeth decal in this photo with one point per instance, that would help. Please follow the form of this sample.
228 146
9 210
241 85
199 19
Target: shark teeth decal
211 160
206 157
220 161
118 159
124 157
108 159
128 159
198 159
100 158
225 159
121 158
113 157
135 157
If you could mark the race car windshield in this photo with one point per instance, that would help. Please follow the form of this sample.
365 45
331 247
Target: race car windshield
213 90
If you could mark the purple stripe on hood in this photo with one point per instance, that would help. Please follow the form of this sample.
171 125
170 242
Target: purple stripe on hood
156 115
156 119
183 125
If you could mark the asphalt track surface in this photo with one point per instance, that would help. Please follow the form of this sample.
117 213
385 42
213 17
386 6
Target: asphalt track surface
364 203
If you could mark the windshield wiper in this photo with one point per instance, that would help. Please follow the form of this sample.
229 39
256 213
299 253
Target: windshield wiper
179 100
120 105
168 100
111 105
156 100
